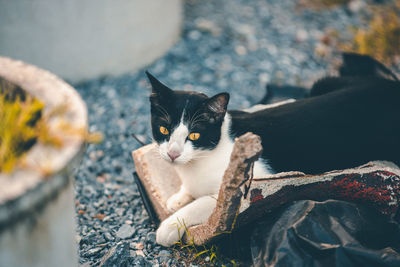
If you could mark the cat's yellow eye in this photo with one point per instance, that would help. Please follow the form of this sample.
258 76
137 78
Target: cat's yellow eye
194 136
163 130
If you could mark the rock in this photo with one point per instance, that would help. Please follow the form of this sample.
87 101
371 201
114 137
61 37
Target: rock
108 236
89 191
195 35
125 231
142 231
208 25
140 261
139 246
129 222
244 29
118 256
301 35
164 256
356 5
241 50
151 237
93 251
140 253
120 211
88 239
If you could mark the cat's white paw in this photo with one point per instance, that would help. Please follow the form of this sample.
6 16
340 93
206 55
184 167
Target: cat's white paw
177 201
169 232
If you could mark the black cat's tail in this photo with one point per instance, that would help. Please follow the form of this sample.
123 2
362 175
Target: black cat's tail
356 65
356 69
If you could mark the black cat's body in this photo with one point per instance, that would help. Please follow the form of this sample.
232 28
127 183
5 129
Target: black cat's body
351 125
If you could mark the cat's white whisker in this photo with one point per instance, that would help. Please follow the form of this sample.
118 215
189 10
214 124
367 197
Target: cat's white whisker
192 118
165 113
197 120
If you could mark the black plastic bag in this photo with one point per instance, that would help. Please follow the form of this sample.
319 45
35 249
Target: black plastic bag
330 233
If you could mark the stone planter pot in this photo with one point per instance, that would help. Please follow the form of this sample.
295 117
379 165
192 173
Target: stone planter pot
37 217
79 40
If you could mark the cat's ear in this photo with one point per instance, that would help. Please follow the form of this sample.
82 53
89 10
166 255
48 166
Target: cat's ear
217 105
158 88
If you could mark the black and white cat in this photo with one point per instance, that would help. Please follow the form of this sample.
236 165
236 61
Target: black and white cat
347 121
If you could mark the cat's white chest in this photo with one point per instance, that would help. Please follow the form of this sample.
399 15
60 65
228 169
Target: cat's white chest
204 175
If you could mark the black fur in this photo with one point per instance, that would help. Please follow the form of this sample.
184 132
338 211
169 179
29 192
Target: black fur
337 130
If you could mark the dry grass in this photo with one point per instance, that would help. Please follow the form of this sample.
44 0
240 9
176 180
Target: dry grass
381 39
318 4
206 255
19 127
23 125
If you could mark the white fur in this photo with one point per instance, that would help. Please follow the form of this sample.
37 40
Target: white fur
259 107
201 176
179 200
196 212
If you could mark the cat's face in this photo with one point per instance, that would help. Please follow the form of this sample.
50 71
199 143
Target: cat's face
185 124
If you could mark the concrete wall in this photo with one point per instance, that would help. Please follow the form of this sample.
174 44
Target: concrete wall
37 215
46 238
79 40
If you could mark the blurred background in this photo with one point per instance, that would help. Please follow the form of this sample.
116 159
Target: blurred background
103 48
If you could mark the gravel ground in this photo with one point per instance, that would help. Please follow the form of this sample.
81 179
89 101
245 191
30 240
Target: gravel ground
236 46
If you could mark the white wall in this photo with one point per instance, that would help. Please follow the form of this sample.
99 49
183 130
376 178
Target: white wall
82 39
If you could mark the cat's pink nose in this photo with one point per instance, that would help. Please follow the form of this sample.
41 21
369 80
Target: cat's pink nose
173 155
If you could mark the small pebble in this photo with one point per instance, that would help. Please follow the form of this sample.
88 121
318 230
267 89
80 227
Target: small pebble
164 255
93 251
241 50
108 236
125 231
151 237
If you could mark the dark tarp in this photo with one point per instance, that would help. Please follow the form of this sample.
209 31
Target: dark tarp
330 233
